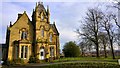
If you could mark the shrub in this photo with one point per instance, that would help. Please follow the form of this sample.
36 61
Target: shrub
13 62
71 49
8 62
18 61
33 59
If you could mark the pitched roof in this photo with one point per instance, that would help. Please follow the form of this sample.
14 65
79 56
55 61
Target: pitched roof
19 16
41 7
53 26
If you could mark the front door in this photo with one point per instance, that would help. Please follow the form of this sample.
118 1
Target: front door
42 53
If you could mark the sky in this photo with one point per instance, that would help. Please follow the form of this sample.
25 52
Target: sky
66 14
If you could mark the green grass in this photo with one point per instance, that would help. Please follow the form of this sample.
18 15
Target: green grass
83 65
83 62
86 59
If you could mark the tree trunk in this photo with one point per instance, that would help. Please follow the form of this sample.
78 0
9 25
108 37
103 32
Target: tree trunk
105 51
97 50
112 50
97 45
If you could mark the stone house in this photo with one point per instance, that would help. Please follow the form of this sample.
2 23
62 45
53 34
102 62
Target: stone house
37 37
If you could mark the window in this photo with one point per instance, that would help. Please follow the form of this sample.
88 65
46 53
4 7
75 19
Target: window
42 17
50 37
42 32
24 35
17 51
52 51
41 53
24 51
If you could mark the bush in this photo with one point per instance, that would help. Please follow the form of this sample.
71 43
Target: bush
71 49
33 59
18 61
13 62
7 62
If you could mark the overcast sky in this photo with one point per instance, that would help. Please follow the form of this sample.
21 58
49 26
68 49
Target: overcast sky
66 15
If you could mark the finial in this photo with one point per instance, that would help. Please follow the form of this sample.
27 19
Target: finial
48 9
24 11
39 2
33 10
54 22
42 3
10 23
7 26
36 3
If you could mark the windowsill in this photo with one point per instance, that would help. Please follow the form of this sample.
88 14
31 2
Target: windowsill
23 58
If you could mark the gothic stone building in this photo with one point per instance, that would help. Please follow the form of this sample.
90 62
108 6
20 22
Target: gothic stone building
37 37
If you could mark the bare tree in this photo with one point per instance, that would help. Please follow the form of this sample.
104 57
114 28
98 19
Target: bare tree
117 22
82 47
116 16
109 28
90 27
104 41
116 4
85 46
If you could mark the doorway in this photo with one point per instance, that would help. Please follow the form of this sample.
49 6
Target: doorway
42 54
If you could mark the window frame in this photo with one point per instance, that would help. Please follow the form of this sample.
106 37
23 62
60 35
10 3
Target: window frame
52 51
51 37
24 52
24 35
42 32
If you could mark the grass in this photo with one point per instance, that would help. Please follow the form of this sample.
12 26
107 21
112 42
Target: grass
73 65
83 62
86 59
83 65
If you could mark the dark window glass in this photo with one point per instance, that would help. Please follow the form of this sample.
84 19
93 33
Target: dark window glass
42 18
24 35
41 53
17 51
42 33
22 51
26 49
50 37
51 51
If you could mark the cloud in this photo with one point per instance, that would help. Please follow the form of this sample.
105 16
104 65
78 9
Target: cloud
59 0
66 15
9 13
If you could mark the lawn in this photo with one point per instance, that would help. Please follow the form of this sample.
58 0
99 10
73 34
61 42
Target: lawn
101 59
74 62
83 65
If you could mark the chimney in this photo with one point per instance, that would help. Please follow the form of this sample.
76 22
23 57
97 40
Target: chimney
19 15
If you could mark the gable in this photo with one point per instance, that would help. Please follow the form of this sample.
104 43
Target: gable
54 29
22 22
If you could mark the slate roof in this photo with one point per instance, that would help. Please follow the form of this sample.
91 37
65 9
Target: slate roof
53 26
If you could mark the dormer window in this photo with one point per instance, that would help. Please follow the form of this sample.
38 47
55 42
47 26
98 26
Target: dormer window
24 35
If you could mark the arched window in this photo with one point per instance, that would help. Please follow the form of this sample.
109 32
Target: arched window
50 37
42 17
42 32
52 51
24 35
